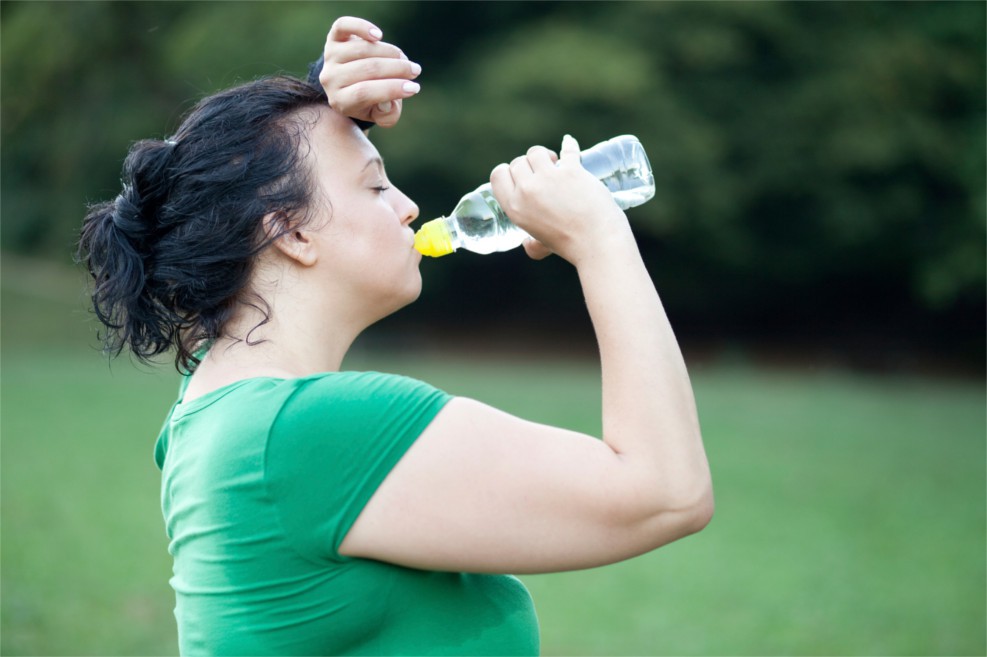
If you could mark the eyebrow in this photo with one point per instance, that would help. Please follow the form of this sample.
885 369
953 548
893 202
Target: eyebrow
374 160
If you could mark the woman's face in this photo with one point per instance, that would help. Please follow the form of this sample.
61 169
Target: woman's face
363 222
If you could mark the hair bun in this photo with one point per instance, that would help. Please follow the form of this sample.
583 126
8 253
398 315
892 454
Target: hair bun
127 215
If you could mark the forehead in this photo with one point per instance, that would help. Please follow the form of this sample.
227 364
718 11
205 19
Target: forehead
337 144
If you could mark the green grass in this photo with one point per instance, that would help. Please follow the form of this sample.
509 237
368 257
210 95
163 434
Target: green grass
850 510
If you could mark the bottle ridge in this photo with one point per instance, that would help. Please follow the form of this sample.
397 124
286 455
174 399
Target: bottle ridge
478 223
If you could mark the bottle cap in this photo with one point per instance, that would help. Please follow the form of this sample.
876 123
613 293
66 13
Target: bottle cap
433 239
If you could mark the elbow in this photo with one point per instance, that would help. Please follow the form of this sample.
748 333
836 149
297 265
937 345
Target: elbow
668 506
671 516
676 518
691 512
700 513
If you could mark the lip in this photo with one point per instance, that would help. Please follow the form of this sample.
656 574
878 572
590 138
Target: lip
411 246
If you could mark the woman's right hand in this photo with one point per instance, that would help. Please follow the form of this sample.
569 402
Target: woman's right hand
563 206
364 77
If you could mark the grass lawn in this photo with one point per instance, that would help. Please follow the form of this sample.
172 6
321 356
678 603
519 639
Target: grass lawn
850 510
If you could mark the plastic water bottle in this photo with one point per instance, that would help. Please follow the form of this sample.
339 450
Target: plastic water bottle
478 224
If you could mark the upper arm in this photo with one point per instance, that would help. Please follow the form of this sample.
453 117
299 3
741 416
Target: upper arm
484 491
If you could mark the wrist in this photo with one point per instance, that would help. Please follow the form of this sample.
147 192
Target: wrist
613 241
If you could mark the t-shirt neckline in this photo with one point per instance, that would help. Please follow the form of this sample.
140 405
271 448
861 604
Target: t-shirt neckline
183 407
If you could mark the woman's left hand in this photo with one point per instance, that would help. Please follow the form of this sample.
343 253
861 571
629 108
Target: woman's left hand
364 77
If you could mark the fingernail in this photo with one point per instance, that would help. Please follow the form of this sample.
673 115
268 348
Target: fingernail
385 106
415 68
411 87
376 33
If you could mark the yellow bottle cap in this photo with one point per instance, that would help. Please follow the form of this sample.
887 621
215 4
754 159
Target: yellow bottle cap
433 239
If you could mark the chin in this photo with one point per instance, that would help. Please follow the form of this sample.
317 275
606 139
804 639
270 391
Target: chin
414 292
406 296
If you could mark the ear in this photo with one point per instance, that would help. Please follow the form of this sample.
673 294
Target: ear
294 242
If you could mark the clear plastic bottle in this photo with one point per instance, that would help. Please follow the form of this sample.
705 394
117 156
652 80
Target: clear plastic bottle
478 224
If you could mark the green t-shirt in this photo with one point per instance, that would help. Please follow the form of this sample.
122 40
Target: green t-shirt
262 479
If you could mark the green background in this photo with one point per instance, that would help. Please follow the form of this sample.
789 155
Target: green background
817 236
850 507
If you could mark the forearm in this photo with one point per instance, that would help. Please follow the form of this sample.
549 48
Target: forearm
649 412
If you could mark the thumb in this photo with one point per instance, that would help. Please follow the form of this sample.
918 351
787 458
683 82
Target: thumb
535 249
386 113
569 154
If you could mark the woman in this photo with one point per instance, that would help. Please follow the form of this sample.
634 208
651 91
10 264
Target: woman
315 511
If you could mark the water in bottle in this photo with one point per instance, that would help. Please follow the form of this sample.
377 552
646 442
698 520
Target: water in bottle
478 223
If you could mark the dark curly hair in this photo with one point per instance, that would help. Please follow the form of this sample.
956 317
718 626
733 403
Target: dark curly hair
171 256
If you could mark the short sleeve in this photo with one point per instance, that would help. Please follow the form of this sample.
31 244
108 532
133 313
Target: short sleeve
334 442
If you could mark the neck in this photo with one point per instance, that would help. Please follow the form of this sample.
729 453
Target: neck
298 330
280 347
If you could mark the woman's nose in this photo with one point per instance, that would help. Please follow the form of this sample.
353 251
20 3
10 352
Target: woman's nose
408 210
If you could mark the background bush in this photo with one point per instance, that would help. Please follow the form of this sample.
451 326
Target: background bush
820 167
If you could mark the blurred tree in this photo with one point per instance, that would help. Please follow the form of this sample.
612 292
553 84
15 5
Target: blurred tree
820 167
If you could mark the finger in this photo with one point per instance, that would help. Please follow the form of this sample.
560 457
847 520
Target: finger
343 75
346 26
358 48
368 94
569 154
536 250
501 182
388 118
521 168
540 158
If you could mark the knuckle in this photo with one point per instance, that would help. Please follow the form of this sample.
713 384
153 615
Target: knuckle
336 26
373 68
358 49
325 79
359 94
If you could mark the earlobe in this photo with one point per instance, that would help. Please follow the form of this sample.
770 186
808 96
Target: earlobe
292 242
